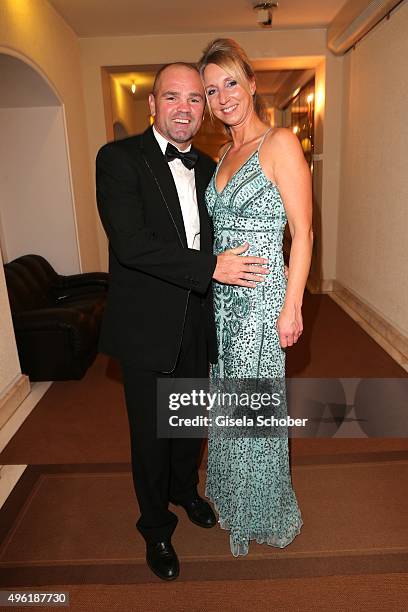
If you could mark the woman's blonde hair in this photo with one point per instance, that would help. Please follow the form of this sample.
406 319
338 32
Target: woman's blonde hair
230 56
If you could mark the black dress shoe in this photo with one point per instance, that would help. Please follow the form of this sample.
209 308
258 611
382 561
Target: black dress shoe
199 512
162 560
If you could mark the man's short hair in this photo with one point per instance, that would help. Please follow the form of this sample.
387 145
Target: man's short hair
163 68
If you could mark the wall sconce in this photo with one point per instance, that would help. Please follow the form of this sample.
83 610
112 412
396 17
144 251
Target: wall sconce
264 13
133 88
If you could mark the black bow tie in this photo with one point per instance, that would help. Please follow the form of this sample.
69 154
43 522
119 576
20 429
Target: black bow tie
189 159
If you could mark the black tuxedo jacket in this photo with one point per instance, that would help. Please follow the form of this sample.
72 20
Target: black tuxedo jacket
152 272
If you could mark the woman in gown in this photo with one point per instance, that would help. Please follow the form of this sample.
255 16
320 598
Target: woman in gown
261 182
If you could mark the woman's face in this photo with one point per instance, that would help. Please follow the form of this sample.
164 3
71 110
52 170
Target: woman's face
228 100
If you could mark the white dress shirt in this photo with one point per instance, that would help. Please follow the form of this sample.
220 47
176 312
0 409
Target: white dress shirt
186 191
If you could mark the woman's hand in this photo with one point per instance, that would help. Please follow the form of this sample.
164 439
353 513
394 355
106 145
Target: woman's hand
289 325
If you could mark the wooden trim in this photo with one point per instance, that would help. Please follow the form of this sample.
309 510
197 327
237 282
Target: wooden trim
387 335
321 285
9 476
13 397
107 103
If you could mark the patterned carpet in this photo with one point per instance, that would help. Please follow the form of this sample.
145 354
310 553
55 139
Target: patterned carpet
74 524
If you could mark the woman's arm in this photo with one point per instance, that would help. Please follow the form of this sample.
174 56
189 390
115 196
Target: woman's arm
292 175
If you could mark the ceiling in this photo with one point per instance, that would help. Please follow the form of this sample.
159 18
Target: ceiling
269 82
137 17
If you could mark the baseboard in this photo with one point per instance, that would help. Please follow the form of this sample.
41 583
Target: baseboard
382 331
8 429
9 476
321 285
15 406
13 397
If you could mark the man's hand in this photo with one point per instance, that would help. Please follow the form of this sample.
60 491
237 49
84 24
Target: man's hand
233 269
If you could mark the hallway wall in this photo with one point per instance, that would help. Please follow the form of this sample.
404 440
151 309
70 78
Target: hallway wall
36 211
131 113
373 213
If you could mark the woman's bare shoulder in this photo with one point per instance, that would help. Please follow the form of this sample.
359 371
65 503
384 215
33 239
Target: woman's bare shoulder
282 143
282 137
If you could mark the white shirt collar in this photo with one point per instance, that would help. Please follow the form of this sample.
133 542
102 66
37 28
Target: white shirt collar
163 142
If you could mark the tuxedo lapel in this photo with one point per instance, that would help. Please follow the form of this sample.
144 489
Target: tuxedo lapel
159 168
201 181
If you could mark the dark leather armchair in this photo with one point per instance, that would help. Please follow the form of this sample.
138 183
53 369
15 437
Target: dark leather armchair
56 318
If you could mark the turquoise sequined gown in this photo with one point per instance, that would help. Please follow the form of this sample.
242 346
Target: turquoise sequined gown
248 479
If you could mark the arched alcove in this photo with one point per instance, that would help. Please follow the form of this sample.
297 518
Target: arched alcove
36 202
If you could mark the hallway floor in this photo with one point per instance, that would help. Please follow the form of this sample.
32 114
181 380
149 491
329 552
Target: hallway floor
69 522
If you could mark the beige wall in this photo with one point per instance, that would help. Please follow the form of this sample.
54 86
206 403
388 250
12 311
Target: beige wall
37 215
33 31
261 46
329 92
373 215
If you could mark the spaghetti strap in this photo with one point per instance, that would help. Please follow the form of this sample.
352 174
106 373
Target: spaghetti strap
263 138
218 167
224 154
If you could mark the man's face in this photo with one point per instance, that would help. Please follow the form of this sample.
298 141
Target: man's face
178 105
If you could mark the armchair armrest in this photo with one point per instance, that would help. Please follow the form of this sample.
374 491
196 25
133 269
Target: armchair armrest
77 285
87 279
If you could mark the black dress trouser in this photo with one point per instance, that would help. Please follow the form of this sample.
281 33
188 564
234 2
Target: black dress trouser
164 469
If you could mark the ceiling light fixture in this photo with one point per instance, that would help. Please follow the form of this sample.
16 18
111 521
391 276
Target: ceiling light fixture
264 13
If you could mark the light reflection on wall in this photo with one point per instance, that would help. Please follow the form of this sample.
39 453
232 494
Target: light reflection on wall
302 109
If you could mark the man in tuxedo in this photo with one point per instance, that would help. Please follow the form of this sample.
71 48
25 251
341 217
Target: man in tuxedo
159 320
